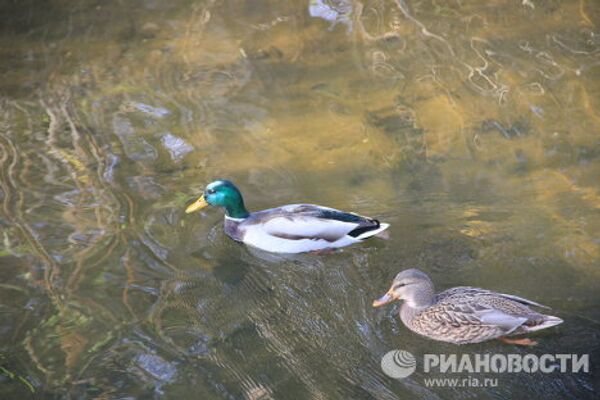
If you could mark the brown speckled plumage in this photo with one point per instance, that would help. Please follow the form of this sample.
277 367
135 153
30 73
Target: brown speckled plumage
462 314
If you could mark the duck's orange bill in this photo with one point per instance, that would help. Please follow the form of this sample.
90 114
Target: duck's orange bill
197 205
383 300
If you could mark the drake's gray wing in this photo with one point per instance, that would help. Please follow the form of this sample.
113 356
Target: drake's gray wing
308 221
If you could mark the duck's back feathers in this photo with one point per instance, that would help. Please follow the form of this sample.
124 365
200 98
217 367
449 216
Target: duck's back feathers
469 315
306 227
310 221
469 292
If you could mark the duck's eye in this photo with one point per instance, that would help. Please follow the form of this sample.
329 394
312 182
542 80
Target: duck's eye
210 191
399 285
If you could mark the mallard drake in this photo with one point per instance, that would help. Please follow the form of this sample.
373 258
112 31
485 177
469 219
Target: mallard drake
463 314
294 228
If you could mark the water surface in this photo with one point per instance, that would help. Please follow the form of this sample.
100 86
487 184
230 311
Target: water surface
472 127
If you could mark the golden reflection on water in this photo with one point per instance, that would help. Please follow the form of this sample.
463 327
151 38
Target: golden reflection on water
471 127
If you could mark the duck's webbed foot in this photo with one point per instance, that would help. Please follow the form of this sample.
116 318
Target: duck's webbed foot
518 342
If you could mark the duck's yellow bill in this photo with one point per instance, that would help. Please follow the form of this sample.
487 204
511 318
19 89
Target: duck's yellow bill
383 300
197 205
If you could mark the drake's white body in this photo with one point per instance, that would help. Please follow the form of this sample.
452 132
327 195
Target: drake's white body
298 228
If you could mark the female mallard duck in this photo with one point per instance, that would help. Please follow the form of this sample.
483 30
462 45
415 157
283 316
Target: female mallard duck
295 228
463 314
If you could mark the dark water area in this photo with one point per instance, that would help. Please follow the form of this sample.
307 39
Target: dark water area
472 127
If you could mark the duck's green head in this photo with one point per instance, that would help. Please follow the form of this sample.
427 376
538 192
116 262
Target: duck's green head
221 193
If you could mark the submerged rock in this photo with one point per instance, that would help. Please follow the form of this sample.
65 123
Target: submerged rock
157 367
136 148
158 112
176 146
